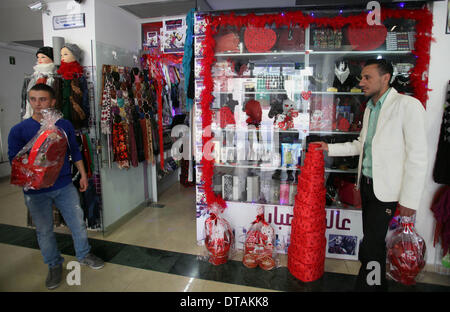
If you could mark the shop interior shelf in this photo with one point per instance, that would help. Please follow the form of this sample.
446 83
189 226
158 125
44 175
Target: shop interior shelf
297 92
243 129
311 52
259 203
341 171
331 132
263 168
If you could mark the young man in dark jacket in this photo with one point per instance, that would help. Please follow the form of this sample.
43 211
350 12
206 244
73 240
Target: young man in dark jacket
63 193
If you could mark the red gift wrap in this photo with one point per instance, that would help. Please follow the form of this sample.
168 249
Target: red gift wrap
405 253
219 239
306 253
259 248
39 163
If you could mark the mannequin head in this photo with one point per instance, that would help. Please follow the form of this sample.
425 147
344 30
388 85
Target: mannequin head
44 55
70 53
67 56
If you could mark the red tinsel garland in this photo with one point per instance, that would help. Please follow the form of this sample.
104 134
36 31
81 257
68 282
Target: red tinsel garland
418 75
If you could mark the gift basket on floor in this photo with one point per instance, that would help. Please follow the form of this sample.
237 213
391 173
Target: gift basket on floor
405 253
38 164
259 248
219 238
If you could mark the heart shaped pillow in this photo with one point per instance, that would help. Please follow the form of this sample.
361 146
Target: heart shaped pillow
259 39
366 38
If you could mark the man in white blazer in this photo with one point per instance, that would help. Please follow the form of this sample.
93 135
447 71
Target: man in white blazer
392 151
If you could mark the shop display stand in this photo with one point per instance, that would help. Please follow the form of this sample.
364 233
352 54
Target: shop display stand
343 222
306 253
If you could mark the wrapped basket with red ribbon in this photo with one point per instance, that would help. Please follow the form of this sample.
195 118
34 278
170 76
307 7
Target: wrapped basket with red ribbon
405 253
259 248
38 164
219 238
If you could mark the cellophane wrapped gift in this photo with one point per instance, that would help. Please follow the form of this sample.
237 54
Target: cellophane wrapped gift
219 237
259 248
38 163
405 253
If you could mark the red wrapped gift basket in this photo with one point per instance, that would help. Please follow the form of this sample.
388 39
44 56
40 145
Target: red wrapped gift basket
219 238
259 248
38 164
405 253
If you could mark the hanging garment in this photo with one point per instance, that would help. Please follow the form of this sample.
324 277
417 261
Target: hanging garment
105 122
188 60
441 173
145 140
120 145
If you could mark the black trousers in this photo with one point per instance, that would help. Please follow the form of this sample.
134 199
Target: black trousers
376 216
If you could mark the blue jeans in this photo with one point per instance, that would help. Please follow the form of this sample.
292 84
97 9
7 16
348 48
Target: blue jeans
67 201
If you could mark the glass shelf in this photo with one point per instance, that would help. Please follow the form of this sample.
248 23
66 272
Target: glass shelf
335 132
311 52
264 168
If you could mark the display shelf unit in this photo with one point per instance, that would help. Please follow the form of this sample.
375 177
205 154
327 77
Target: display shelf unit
320 83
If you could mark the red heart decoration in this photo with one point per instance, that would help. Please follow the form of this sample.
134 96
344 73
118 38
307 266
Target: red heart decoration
366 38
306 95
258 39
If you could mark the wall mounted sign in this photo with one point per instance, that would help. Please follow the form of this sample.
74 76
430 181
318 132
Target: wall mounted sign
69 21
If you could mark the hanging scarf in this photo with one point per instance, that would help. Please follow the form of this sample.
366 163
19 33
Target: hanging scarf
70 70
105 122
120 145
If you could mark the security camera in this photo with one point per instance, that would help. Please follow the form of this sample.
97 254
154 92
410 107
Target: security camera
39 6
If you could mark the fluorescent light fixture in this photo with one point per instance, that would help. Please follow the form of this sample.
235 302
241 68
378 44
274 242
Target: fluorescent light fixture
39 6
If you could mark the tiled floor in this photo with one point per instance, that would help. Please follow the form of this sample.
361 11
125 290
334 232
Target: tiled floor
155 251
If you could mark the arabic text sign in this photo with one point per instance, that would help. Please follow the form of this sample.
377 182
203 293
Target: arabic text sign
69 21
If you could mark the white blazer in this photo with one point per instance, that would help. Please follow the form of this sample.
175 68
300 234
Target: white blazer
399 150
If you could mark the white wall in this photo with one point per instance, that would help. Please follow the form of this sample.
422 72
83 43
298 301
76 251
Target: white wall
439 76
79 36
11 82
17 24
116 27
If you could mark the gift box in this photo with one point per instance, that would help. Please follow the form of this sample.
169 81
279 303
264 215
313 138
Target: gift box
306 253
284 193
290 154
253 189
227 187
238 188
305 272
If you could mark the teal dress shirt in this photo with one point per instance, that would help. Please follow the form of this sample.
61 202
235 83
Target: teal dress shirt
373 120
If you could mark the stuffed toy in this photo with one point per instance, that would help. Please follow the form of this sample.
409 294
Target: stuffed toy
285 120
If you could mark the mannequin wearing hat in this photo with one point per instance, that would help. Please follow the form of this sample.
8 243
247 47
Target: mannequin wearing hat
75 98
44 72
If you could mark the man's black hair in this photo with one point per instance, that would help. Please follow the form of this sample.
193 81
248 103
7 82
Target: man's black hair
384 67
44 87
